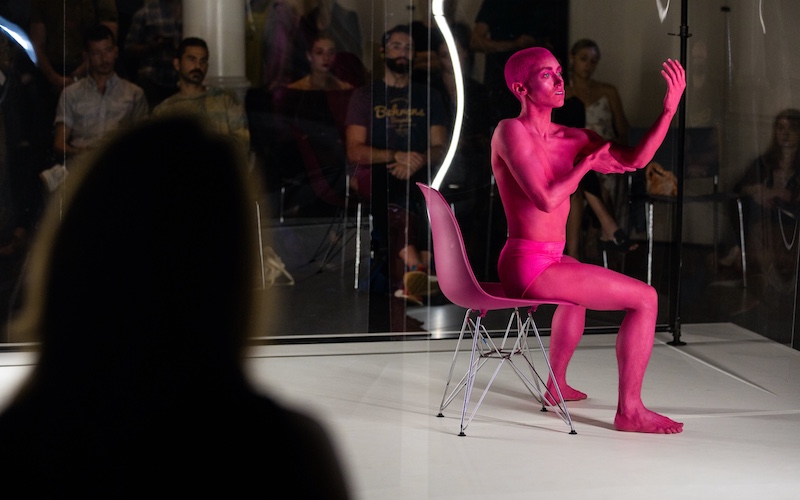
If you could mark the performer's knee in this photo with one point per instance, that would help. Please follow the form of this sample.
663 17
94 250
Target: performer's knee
649 299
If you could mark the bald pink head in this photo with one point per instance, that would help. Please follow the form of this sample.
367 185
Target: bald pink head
524 62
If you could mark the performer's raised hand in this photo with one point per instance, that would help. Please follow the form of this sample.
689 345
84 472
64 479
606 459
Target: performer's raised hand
675 76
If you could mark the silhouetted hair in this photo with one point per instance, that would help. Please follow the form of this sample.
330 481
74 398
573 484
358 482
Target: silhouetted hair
97 33
153 261
792 115
774 153
141 293
584 43
191 41
400 28
322 35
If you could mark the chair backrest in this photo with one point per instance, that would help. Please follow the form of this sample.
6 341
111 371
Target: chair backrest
456 279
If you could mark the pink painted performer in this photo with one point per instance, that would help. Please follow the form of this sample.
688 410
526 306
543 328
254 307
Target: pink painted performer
538 165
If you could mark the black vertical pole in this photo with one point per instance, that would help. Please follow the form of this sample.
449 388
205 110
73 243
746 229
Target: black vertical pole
677 255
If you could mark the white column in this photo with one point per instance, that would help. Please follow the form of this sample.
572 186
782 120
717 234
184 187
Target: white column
221 23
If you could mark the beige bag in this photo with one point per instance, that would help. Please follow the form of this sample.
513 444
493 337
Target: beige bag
660 182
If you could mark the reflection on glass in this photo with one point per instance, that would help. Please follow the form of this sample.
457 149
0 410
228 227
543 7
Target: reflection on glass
740 62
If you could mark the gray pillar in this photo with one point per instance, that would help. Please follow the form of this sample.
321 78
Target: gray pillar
221 23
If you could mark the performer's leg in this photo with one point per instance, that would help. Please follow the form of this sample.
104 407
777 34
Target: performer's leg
598 288
569 322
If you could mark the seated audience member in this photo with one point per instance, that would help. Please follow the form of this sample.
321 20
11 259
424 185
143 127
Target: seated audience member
605 115
218 108
321 59
308 137
98 104
93 106
395 137
342 25
770 189
142 293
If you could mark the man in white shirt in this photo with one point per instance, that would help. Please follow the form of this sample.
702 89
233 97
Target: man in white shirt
99 103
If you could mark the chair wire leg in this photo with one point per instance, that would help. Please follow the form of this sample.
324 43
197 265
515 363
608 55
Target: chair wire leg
525 351
511 320
445 399
358 247
533 383
480 360
741 239
357 264
484 348
260 247
470 373
335 240
491 351
523 328
562 407
344 219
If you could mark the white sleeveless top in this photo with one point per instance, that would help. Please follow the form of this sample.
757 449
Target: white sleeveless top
600 118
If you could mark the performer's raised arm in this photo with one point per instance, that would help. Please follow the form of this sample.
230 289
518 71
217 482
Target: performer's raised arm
641 154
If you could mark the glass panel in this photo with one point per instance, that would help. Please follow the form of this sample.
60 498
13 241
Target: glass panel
327 258
745 82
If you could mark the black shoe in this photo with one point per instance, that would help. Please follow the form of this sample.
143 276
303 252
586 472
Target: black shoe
621 243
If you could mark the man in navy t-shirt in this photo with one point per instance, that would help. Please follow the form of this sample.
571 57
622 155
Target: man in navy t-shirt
395 137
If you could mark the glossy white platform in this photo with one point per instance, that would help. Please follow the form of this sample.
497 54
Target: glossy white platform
737 393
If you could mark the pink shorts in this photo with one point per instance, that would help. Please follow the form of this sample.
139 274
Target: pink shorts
522 261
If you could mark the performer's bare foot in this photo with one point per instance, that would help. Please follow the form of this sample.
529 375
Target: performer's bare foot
568 392
644 420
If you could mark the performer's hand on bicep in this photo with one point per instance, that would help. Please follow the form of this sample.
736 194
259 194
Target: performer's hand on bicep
603 161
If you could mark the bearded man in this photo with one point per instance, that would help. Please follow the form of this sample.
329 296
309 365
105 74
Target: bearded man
395 137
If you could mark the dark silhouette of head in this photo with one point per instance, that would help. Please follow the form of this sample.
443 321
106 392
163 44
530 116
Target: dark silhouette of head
141 294
150 269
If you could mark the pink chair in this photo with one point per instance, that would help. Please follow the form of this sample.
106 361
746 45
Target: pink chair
457 282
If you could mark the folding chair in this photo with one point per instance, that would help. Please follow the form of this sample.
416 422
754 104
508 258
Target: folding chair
457 282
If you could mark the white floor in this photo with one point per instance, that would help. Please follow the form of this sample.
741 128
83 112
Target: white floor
737 393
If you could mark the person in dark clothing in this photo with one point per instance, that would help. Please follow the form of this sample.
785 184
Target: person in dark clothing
142 292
